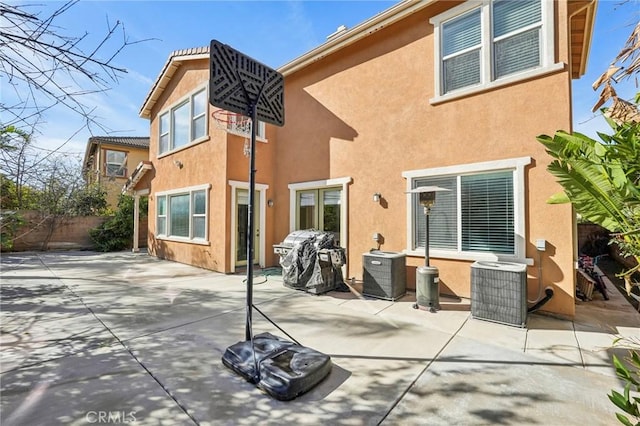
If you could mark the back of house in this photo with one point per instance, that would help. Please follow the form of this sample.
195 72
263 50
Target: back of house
426 93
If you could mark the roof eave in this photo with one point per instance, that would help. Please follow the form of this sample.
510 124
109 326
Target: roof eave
587 10
163 79
137 175
88 151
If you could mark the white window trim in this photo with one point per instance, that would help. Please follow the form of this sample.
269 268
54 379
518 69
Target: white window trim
235 185
158 216
188 98
180 191
518 165
547 44
322 184
121 166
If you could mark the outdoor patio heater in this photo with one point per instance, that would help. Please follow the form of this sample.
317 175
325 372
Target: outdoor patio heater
281 368
427 276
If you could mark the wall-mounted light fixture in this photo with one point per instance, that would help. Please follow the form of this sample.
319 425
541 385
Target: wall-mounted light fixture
270 203
377 197
178 164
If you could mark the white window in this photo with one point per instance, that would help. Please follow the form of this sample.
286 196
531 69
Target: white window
116 163
320 209
199 214
161 221
461 49
184 123
480 217
483 43
164 133
182 214
516 36
322 205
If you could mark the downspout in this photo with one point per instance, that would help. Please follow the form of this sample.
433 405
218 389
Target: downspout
540 301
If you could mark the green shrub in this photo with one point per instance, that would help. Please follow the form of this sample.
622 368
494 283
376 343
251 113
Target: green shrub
117 233
10 222
629 400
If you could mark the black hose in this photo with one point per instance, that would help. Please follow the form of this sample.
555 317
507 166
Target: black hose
548 295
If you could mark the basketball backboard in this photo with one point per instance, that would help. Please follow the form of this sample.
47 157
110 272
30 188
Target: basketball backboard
238 82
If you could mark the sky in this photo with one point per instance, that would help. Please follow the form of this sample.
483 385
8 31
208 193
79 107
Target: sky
272 32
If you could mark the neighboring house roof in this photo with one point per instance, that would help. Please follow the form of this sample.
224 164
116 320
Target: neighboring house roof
581 14
141 142
135 141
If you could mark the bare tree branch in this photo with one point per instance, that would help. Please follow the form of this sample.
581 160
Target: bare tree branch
47 68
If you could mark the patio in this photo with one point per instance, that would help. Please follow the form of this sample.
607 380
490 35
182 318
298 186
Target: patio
128 338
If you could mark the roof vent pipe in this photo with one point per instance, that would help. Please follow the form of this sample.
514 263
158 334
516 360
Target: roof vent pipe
341 29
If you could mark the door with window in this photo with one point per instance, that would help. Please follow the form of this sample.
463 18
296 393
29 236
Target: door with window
242 220
319 209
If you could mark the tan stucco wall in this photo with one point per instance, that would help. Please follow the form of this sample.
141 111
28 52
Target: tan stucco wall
365 113
213 161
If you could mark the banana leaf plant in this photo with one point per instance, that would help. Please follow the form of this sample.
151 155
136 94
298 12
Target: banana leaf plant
602 181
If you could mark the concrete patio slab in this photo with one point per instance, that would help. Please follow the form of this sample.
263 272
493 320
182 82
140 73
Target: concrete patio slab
359 387
554 340
83 388
482 384
129 335
509 337
44 340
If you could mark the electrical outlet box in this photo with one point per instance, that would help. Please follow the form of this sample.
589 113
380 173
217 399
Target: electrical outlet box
541 244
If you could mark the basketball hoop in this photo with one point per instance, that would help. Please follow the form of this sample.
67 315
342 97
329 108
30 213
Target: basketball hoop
234 123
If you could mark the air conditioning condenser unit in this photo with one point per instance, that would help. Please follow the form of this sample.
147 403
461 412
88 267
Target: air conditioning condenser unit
499 292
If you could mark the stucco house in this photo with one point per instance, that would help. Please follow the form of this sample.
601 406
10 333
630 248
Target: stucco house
110 161
446 93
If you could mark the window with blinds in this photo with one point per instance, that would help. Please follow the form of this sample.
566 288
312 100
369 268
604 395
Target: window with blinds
489 41
461 48
476 215
443 218
516 36
486 211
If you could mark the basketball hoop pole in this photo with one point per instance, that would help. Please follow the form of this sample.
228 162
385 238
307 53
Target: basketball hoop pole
241 85
250 219
283 369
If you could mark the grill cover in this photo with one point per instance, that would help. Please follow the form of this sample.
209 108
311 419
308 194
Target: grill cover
297 237
311 261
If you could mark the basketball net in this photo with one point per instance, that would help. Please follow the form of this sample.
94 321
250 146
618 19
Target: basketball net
236 124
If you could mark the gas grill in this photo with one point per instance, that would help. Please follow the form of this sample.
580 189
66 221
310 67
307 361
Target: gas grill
311 261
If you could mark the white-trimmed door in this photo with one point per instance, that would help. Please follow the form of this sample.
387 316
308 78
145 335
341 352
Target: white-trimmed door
239 217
